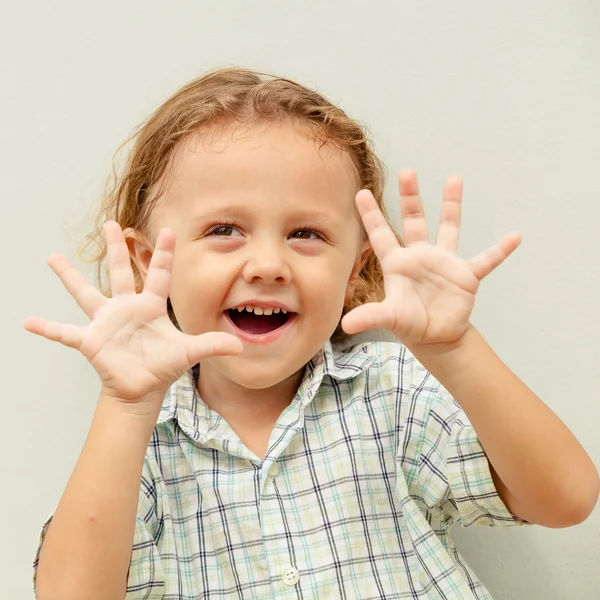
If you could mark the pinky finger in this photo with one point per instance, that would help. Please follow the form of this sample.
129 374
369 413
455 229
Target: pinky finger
66 334
485 262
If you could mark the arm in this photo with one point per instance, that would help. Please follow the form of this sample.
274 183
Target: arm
88 545
540 470
138 354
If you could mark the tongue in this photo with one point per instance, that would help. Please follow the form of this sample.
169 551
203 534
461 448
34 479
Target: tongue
258 324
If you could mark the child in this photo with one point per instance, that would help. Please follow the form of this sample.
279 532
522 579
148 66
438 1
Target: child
235 452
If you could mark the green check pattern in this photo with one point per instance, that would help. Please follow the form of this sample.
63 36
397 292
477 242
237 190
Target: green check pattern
366 472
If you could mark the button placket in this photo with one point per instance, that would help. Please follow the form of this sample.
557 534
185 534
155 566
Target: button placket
290 576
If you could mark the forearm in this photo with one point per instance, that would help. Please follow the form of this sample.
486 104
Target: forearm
87 548
549 477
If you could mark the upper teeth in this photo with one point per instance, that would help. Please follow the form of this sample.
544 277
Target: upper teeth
261 311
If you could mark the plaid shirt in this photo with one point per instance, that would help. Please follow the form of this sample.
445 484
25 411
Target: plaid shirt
366 471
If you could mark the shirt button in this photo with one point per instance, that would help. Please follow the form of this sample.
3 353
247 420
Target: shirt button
274 470
291 576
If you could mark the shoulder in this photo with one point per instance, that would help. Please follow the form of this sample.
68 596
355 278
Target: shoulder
379 358
378 353
375 369
392 370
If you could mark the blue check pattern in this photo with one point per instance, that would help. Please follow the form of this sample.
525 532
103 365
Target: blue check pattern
366 472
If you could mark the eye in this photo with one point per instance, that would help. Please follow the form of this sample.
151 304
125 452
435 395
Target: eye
224 231
306 234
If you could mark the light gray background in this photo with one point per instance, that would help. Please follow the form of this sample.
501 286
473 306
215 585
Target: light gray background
506 95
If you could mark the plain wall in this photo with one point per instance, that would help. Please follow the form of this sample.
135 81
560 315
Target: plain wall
505 94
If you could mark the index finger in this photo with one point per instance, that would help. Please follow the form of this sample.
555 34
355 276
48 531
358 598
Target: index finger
382 238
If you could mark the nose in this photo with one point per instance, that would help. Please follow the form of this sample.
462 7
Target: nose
266 263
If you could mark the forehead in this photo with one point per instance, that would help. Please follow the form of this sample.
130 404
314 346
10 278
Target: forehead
259 166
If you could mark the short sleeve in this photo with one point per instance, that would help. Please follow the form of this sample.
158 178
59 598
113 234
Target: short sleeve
145 578
36 558
454 474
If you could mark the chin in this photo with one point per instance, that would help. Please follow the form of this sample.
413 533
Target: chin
252 376
262 380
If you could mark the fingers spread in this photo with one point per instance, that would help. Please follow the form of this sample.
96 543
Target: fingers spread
158 279
66 334
119 264
382 238
213 343
414 225
450 215
87 296
372 315
485 262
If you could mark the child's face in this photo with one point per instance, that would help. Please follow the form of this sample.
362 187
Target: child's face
266 218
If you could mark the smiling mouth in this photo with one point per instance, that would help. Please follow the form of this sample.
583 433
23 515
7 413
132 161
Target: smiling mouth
258 324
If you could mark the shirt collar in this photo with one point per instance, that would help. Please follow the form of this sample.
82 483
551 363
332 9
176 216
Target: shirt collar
342 364
182 403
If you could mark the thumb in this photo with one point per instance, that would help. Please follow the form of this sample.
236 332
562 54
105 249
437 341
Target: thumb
367 316
213 343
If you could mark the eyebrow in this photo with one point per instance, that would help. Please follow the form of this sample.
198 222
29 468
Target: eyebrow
299 214
226 211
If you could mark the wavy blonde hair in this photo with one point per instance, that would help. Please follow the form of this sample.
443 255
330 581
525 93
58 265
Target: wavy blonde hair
219 98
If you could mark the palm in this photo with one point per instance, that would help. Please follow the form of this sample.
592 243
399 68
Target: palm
435 288
133 345
429 290
131 342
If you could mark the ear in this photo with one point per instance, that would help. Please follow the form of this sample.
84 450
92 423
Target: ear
359 263
140 250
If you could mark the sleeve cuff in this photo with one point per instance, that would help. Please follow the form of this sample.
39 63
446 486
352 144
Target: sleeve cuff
145 579
470 480
36 558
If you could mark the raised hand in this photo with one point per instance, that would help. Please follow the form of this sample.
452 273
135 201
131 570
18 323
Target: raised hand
429 290
131 342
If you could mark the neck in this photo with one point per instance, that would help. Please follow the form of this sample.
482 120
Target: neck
243 407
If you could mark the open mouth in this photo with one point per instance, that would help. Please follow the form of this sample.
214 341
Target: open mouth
253 322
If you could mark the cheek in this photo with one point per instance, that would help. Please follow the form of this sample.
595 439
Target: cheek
197 290
327 285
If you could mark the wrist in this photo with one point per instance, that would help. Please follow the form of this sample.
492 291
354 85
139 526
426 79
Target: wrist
450 360
453 363
145 409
